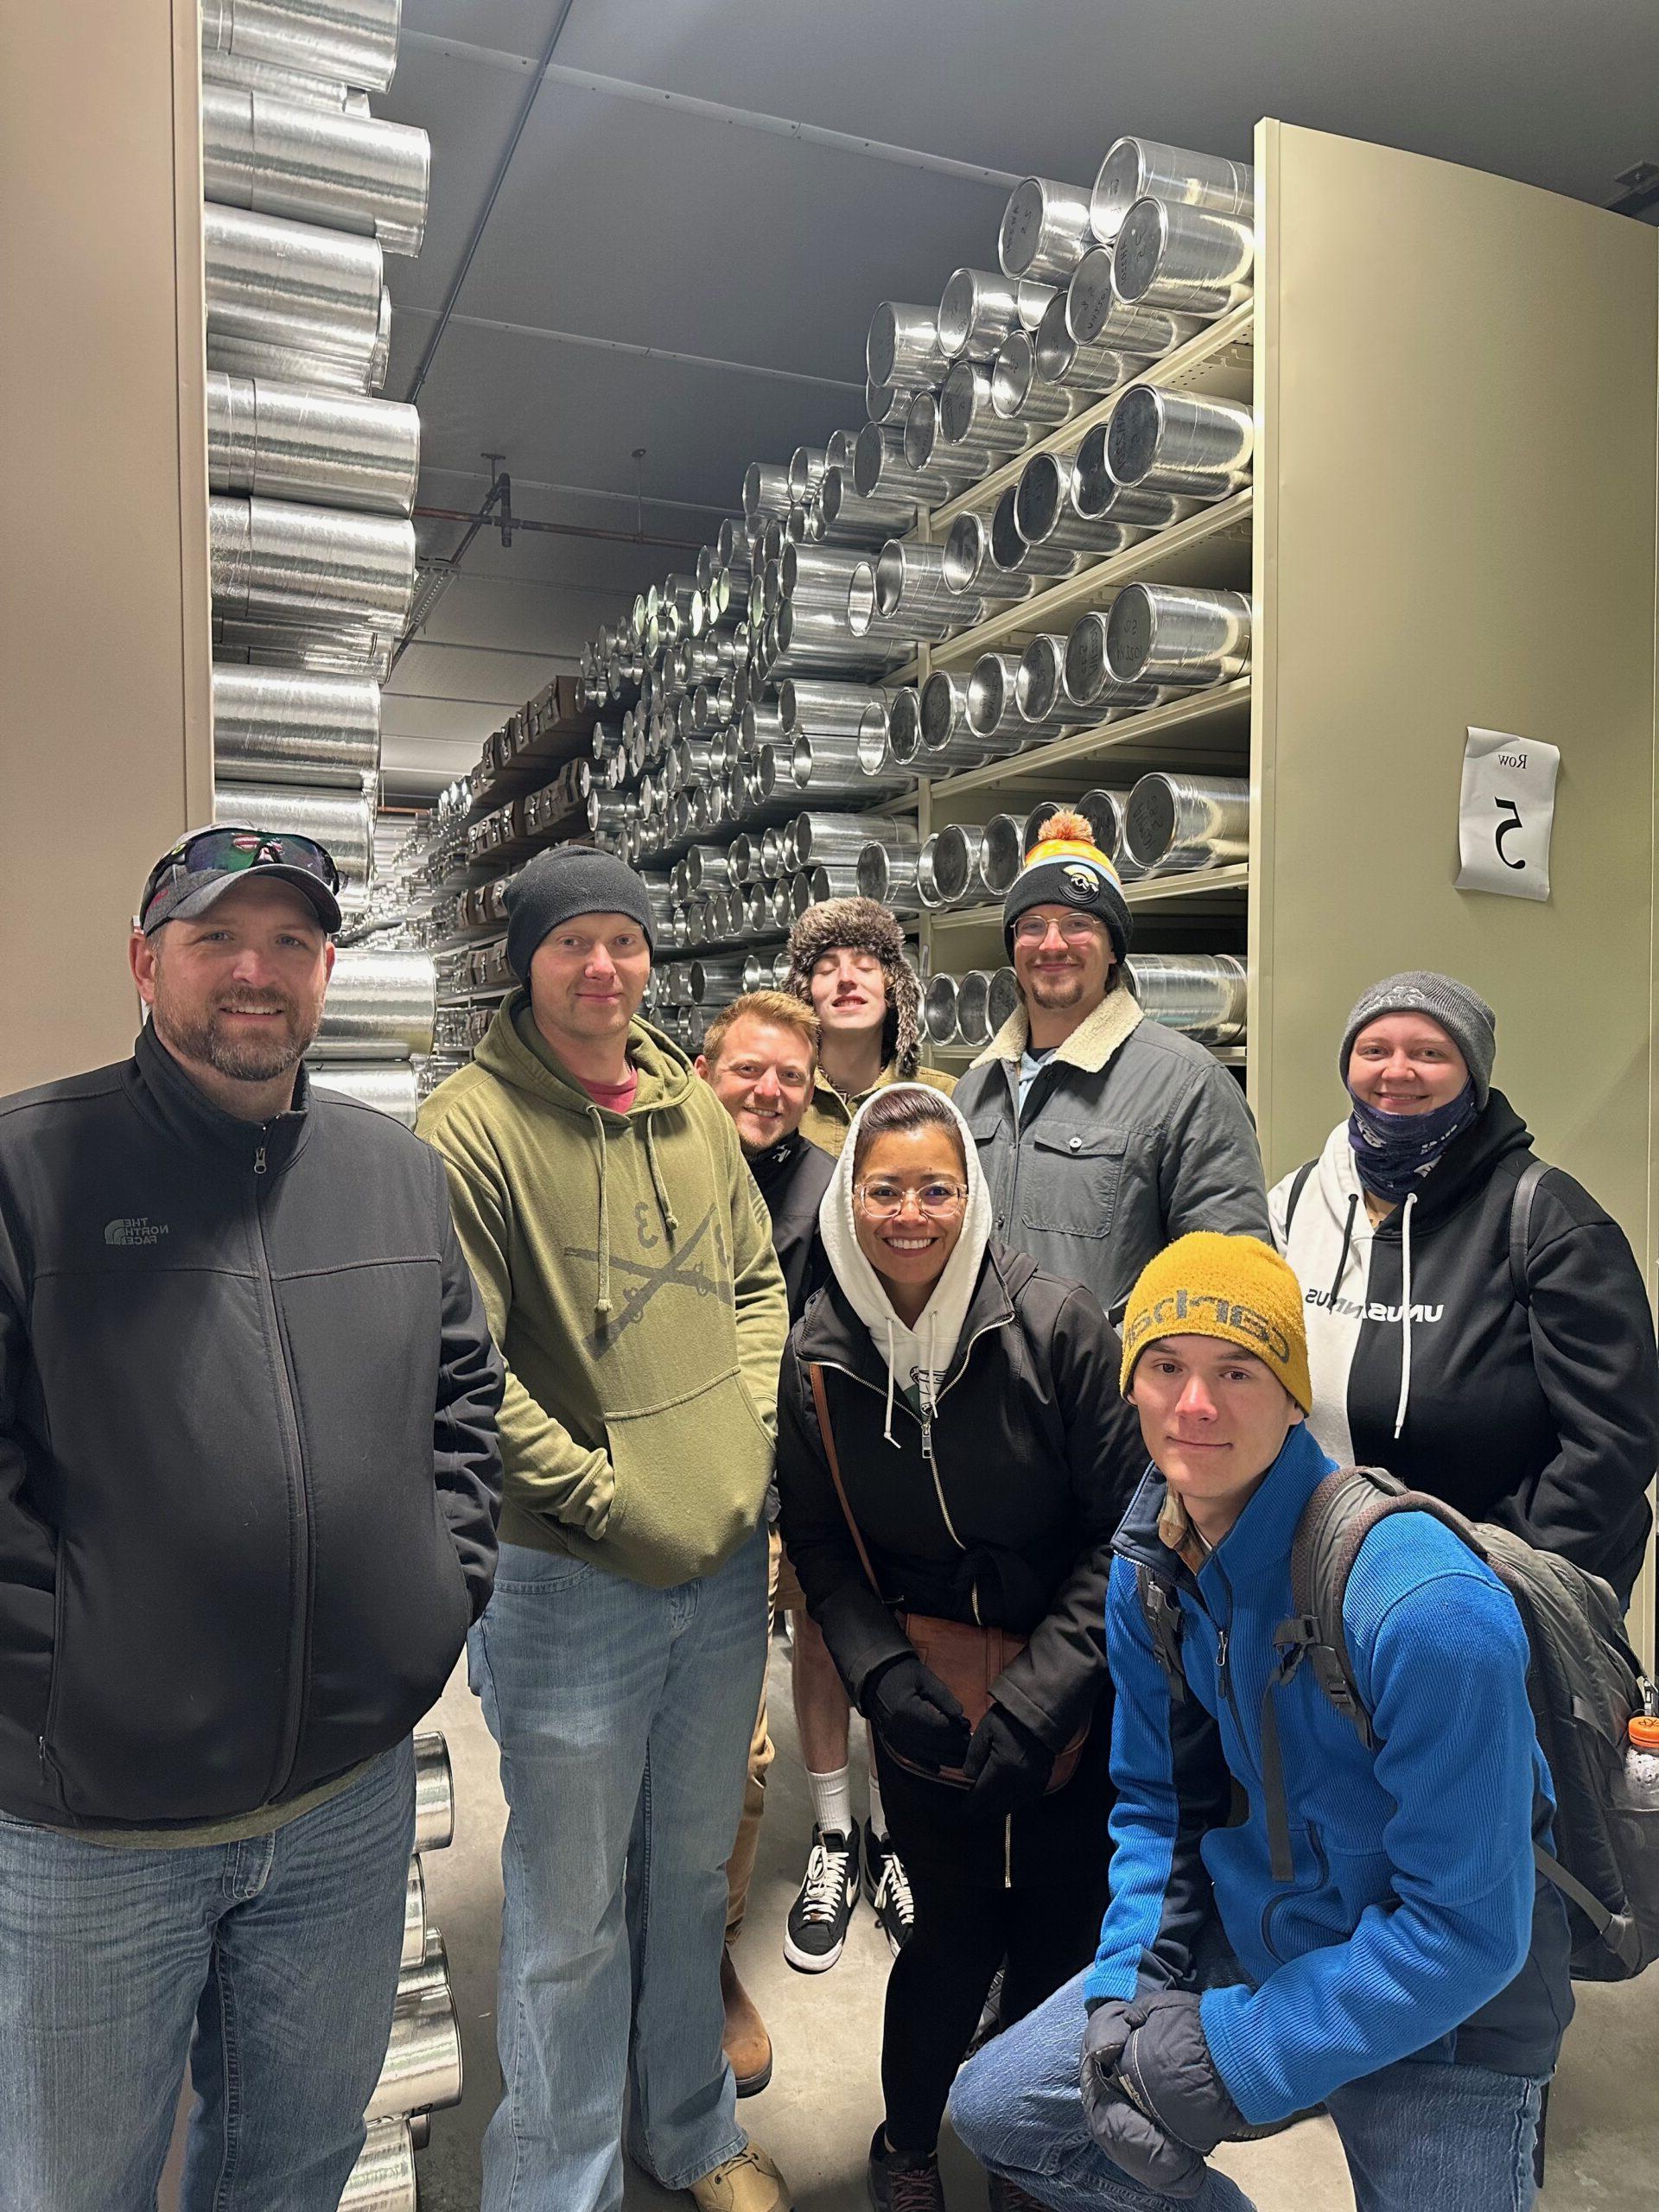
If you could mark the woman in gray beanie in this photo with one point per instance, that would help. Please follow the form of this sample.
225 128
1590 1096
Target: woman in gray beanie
1476 1323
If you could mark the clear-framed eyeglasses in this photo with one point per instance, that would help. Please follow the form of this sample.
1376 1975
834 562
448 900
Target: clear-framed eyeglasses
1076 928
881 1199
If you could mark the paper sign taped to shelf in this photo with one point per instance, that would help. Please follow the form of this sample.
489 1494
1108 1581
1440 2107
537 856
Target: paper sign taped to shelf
1506 813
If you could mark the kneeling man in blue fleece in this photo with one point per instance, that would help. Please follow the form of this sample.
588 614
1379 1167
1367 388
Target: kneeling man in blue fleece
1296 1918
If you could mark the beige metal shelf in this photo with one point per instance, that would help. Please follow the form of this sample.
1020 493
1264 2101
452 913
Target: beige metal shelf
1149 891
1217 360
1210 547
1207 723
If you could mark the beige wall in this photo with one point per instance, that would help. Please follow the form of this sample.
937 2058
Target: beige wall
1456 379
105 746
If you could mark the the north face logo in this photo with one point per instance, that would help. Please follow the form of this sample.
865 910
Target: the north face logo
135 1229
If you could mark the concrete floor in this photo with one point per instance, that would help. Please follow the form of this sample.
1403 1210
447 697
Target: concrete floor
818 2115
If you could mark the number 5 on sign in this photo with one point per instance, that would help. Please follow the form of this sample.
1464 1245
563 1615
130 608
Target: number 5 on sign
1506 813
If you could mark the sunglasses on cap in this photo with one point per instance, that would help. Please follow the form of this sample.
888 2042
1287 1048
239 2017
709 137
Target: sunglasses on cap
230 847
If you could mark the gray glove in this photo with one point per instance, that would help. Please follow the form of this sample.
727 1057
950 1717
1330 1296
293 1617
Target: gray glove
1151 2096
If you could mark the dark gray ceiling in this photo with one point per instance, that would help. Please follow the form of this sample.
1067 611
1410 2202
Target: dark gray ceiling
710 197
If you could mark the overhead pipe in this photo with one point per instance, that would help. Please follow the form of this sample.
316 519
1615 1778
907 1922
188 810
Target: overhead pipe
355 41
332 449
344 172
289 726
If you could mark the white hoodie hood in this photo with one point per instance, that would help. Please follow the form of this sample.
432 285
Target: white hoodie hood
915 1358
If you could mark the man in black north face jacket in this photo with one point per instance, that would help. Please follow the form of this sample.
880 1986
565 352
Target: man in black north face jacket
248 1492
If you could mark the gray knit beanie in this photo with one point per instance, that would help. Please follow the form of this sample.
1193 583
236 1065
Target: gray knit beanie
567 881
1464 1016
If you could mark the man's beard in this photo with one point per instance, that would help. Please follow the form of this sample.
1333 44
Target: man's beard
256 1059
1060 990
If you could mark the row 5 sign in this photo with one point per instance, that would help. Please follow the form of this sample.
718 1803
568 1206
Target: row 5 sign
1506 813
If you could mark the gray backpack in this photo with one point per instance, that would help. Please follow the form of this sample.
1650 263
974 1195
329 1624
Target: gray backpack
1585 1683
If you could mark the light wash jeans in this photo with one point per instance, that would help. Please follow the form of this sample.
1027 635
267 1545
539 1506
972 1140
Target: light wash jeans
1421 2136
281 1951
624 1716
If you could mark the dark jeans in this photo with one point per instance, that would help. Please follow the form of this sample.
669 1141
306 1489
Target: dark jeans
939 1981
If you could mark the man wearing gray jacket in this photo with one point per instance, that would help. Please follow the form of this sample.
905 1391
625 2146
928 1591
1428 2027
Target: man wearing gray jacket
1103 1135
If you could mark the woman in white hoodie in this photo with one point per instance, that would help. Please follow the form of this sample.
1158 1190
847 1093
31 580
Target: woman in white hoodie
953 1461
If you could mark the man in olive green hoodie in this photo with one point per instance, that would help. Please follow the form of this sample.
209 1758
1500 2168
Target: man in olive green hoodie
624 1258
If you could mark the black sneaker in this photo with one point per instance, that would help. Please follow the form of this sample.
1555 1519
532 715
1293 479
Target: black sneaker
1008 2196
990 2018
888 1888
898 2183
816 1931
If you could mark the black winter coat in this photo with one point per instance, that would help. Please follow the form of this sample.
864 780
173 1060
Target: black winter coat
248 1471
792 1177
1036 1456
1542 1416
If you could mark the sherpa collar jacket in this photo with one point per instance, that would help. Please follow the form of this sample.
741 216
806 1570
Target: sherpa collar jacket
1415 1923
248 1474
1131 1135
626 1264
1542 1416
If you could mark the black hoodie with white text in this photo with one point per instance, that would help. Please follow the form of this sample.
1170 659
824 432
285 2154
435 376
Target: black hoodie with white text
1542 1415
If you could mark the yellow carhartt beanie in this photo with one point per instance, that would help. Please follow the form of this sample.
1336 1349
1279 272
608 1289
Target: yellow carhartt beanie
1235 1288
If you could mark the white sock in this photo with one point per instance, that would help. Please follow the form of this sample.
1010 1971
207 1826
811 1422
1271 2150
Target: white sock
832 1801
878 1818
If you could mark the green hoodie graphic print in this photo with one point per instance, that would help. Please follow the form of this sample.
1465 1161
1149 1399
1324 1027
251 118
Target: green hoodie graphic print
626 1262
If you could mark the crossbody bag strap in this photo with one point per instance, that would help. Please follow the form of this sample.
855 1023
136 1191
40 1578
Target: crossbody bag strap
821 1401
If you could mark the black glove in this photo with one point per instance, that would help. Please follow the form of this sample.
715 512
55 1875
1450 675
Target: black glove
915 1715
1151 2094
1007 1764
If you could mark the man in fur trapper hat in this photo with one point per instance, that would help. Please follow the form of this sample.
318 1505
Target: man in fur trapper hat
846 960
1116 1134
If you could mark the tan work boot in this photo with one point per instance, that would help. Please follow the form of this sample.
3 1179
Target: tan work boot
748 2046
748 2182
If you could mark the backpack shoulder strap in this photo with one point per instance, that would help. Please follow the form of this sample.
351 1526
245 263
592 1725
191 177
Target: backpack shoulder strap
821 1403
1298 1184
1161 1609
1526 1185
1335 1523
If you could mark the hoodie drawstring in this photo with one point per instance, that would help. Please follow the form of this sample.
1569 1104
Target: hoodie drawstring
669 1221
602 1303
1405 1314
886 1429
1347 1247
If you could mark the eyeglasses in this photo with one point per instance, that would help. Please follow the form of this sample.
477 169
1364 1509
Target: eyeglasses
1076 929
881 1201
233 847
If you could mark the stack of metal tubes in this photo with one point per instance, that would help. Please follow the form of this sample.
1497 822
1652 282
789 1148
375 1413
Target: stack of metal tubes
312 475
421 2070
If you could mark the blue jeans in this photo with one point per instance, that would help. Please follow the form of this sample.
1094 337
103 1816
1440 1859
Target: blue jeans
281 1951
624 1715
1421 2136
